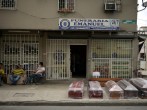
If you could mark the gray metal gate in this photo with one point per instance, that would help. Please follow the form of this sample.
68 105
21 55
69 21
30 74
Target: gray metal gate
20 49
112 57
57 59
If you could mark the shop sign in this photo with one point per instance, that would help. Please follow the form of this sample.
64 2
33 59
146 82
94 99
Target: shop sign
129 21
88 24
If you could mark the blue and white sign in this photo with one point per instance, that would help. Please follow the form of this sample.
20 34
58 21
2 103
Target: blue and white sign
88 24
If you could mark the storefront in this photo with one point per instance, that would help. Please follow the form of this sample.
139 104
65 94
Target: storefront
69 58
73 51
19 47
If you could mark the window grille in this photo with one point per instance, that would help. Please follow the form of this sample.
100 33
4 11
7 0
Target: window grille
112 5
66 5
57 59
112 58
20 49
8 4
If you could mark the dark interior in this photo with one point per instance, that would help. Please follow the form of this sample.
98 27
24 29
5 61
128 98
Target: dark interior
78 61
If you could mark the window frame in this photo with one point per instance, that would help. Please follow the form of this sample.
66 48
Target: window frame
10 7
66 8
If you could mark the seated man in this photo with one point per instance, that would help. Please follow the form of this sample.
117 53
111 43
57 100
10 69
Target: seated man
35 77
2 74
16 73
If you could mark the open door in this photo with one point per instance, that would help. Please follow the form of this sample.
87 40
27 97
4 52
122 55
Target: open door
78 61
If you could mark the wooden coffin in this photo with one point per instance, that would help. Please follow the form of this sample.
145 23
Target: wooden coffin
141 85
76 90
129 90
95 90
114 91
104 80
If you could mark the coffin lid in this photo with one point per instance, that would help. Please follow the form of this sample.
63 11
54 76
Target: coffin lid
112 86
95 85
140 82
126 85
116 88
76 86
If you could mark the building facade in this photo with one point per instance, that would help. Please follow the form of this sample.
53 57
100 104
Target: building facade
72 37
142 47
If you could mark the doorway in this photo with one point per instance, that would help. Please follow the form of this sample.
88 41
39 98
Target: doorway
78 61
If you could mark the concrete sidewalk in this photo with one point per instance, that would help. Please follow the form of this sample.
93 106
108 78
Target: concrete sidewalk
55 94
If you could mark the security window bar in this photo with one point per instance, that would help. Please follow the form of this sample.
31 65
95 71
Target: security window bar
112 58
66 5
8 4
20 49
57 59
112 5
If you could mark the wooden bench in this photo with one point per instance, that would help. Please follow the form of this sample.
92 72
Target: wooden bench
104 80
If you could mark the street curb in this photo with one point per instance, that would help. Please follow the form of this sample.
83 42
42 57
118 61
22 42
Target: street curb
75 103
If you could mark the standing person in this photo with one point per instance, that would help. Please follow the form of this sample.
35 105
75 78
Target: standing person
16 73
37 74
2 73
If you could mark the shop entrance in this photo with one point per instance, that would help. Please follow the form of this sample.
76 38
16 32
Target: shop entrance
78 61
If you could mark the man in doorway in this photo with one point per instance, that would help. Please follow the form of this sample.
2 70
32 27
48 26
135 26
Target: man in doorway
37 74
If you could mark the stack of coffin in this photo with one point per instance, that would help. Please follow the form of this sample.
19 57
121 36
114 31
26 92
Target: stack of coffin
129 90
114 91
95 90
76 90
141 85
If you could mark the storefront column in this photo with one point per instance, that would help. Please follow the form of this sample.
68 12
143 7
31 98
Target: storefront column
43 45
89 58
135 43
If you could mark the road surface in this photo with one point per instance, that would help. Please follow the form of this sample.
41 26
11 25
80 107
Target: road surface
73 107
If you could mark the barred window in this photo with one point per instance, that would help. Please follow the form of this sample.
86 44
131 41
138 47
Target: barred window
8 4
66 5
